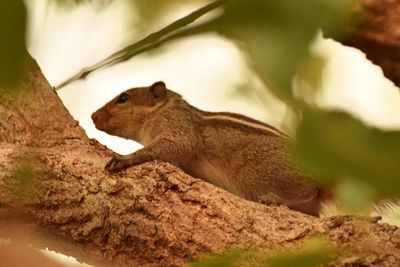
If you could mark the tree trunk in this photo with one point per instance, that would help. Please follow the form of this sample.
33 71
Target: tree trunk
378 35
150 215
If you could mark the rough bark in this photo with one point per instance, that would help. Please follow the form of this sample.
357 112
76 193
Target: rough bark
378 35
150 215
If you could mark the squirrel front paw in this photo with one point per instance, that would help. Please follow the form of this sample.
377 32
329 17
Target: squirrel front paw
270 199
117 164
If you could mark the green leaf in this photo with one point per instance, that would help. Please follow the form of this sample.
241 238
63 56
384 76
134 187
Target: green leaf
75 3
149 12
336 146
24 176
12 42
316 253
311 72
277 34
226 259
354 196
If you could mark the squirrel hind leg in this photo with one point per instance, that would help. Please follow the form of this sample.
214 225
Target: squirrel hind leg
310 206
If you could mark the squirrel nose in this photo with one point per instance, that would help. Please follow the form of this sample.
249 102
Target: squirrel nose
95 117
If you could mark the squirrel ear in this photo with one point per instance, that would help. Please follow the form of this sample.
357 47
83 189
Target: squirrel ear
158 90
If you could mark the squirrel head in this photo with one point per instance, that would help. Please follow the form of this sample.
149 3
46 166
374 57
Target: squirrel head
124 115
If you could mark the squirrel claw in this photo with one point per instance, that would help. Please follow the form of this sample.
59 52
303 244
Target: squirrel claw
116 164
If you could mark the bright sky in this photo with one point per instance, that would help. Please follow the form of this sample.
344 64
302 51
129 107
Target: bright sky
205 69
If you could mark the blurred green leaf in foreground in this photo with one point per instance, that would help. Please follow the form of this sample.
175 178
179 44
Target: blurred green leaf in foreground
316 252
340 148
277 34
226 259
12 42
25 174
74 3
150 12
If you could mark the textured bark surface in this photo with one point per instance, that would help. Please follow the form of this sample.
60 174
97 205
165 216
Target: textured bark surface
150 215
378 35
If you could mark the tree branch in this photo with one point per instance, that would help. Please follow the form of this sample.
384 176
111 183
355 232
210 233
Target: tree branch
151 41
152 214
378 35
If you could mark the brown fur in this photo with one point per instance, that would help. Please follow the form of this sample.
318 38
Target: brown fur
239 154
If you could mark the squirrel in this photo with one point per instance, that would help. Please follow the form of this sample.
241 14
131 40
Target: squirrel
241 155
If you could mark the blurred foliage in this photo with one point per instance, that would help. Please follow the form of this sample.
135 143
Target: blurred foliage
309 76
74 3
316 252
226 259
354 196
150 12
25 175
340 147
70 5
12 42
277 34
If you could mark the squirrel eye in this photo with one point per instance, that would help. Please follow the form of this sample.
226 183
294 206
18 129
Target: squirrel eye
122 98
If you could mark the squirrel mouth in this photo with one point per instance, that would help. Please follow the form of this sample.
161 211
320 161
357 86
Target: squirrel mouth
104 128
